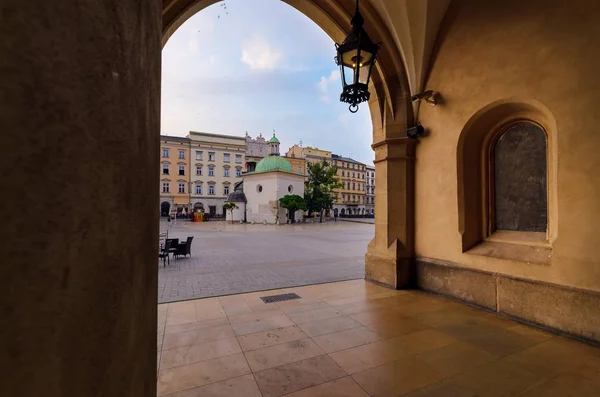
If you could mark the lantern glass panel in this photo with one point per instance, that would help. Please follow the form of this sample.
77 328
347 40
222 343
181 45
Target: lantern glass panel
348 75
350 58
363 75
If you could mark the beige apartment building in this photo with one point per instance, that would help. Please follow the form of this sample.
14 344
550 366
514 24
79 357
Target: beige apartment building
298 165
310 154
351 196
370 183
216 164
174 174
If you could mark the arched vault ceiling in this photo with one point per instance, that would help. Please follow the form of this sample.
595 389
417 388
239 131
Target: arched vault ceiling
414 26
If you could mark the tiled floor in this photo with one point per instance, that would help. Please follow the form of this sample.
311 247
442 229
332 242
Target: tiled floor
356 339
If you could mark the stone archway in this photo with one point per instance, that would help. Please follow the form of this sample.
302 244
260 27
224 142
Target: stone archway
106 56
389 258
165 207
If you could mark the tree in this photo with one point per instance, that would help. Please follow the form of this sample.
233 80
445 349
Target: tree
319 188
293 203
230 207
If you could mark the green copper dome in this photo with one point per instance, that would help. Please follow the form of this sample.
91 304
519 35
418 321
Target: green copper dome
274 139
273 163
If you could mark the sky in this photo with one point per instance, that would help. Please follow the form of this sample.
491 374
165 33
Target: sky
259 66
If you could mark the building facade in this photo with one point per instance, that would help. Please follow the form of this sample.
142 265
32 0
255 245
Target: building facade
174 175
370 192
298 165
351 197
272 179
256 149
217 162
309 154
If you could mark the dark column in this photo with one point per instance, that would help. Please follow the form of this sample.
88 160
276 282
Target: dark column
79 122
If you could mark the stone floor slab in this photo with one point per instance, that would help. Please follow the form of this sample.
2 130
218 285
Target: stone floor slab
461 352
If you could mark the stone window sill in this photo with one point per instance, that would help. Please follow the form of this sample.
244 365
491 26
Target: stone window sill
537 239
525 247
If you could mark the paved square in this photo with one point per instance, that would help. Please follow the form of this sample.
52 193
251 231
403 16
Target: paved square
230 259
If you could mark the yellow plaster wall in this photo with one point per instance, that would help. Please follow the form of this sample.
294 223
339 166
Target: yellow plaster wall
174 178
358 180
297 162
531 50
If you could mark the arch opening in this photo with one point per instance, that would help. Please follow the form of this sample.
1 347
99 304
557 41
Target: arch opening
165 207
387 107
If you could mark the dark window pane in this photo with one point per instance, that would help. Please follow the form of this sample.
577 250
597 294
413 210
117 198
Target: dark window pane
520 187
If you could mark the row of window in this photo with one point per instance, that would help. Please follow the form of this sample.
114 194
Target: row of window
354 211
199 155
343 164
166 188
211 170
259 189
354 185
165 153
360 176
353 198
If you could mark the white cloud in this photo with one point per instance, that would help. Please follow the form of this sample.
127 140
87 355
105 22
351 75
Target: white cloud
258 54
325 83
193 46
346 118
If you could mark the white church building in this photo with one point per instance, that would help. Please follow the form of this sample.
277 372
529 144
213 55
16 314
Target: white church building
262 188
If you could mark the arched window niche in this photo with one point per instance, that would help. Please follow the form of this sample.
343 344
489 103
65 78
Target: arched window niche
506 164
518 180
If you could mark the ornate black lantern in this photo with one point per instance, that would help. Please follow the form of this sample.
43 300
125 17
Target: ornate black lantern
356 57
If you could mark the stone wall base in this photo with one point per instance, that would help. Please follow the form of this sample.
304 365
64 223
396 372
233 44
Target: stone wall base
568 310
398 273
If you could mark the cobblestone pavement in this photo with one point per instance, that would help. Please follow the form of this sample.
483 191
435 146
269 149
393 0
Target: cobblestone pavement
230 259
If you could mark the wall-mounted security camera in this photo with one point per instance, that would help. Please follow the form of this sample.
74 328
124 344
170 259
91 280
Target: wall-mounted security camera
415 132
428 96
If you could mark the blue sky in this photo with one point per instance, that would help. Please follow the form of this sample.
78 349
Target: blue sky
259 66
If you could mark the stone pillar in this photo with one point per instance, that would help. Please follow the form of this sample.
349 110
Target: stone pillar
79 122
390 255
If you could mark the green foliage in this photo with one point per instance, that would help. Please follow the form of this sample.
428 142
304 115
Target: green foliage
318 190
230 207
292 202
